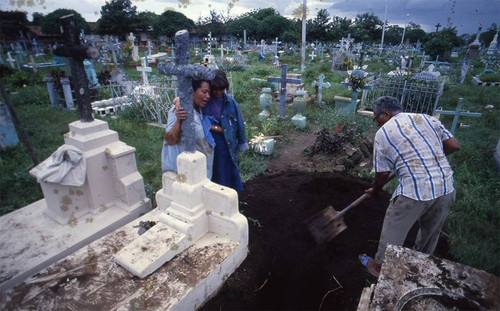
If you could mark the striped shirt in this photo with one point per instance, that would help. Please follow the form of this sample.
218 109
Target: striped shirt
412 145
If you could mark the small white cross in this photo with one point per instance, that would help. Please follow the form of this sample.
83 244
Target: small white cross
144 71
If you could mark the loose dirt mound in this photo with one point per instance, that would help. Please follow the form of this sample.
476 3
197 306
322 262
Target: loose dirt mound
285 268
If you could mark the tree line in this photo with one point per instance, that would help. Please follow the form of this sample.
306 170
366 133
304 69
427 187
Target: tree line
120 17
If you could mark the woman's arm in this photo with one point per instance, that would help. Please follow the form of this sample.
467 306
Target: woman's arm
173 136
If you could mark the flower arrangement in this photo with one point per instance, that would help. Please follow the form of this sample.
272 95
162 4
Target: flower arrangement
356 79
257 143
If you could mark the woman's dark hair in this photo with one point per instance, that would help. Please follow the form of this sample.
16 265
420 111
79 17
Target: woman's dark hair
220 81
196 84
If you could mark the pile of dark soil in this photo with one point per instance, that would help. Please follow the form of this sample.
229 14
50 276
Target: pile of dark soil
285 268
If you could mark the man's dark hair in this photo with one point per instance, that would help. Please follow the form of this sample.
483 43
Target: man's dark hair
196 84
387 103
220 81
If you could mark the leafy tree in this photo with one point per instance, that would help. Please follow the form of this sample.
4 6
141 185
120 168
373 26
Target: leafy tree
341 27
273 26
414 35
367 28
292 36
11 22
393 35
51 23
487 36
145 21
319 28
248 23
118 17
261 14
214 23
169 22
442 43
37 19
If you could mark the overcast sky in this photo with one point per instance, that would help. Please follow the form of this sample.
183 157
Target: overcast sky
464 14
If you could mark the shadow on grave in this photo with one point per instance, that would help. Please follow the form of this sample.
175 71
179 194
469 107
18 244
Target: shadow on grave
285 268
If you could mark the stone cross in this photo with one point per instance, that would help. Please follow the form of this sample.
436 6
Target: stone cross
457 113
319 85
144 69
283 81
185 73
76 54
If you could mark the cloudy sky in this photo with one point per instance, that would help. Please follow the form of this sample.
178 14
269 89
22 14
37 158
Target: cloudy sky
464 14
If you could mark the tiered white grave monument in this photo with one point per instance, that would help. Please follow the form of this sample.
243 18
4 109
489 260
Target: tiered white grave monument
91 187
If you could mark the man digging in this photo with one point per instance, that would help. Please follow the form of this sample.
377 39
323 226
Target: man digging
415 147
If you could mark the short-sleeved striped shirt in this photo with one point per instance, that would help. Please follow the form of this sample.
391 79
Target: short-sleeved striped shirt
412 145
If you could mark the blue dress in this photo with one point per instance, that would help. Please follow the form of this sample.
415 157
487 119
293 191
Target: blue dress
225 170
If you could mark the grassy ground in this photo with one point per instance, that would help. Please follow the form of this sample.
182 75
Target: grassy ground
474 221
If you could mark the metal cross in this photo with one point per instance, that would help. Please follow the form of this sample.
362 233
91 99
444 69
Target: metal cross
457 113
319 85
185 73
283 80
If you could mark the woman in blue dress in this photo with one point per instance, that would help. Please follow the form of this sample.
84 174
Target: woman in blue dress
228 131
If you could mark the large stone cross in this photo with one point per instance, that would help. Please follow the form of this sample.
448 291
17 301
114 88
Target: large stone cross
76 54
283 80
185 73
319 85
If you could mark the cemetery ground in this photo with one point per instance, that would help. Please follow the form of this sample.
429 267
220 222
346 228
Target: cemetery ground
285 269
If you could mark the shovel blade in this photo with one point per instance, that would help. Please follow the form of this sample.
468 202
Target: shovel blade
326 225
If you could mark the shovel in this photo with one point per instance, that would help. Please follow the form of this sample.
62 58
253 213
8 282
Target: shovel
328 223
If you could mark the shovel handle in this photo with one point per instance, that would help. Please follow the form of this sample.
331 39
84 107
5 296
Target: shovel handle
362 198
353 204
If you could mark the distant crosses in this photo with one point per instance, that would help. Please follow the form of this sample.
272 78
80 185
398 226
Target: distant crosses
11 60
144 69
283 80
438 25
35 44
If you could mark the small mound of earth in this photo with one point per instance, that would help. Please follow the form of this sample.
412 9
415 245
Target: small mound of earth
285 268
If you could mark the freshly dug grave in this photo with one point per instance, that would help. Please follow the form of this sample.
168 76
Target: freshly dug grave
285 268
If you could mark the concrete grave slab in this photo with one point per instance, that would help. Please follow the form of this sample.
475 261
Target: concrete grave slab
410 280
110 193
90 279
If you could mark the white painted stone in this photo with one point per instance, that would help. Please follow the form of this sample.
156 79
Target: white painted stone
72 216
89 279
196 207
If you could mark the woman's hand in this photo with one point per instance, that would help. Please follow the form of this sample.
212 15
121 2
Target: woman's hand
180 113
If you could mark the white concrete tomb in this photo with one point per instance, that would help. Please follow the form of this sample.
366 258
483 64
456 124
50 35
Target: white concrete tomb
110 195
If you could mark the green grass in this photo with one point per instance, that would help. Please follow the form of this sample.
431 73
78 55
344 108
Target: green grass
474 220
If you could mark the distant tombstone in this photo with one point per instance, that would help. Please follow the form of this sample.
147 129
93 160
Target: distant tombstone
475 47
8 135
426 76
91 74
493 44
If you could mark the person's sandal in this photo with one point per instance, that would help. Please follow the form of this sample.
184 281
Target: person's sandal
364 259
